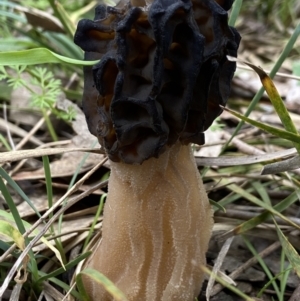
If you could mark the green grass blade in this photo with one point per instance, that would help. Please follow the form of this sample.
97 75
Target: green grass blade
49 190
101 279
63 285
91 230
68 266
217 205
255 221
261 190
12 16
284 275
81 288
277 102
38 56
4 142
7 3
232 197
17 219
235 12
18 189
267 128
63 16
9 217
76 15
263 265
64 45
260 293
275 98
286 51
289 250
12 206
240 191
9 231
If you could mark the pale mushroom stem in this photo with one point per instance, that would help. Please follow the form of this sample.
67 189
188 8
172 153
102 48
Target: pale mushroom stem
156 228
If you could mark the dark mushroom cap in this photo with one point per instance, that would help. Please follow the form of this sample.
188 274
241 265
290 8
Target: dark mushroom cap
162 76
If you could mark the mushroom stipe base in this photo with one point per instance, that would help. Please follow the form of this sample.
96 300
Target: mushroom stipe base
156 228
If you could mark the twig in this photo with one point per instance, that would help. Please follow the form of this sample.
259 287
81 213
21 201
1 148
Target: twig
31 132
242 146
46 145
217 266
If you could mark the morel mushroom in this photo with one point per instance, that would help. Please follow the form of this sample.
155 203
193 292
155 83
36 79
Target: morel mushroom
162 76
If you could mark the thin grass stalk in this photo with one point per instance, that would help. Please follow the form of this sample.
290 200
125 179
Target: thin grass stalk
61 270
5 143
91 230
263 265
49 190
284 274
12 207
18 189
49 126
262 290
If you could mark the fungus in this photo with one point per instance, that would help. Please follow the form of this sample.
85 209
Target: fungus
162 76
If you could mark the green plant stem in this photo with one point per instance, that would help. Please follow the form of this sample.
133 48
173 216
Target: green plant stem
286 51
49 125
